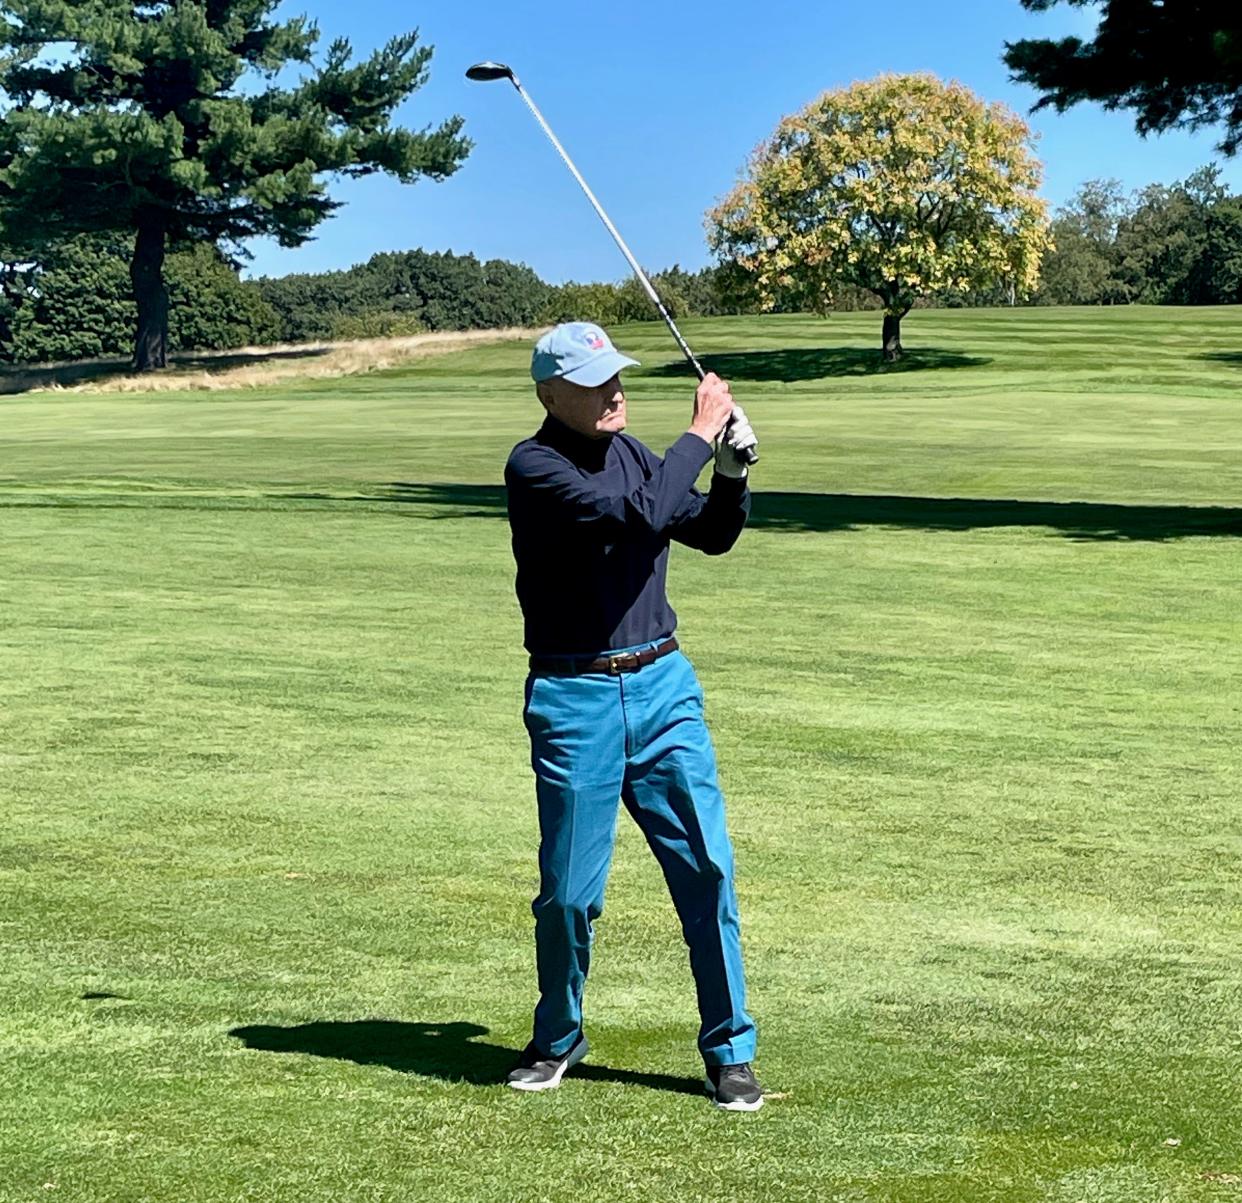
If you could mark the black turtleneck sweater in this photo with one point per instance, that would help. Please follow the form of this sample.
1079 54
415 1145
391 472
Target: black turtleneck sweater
591 522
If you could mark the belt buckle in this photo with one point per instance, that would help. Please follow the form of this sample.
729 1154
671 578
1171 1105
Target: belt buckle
625 662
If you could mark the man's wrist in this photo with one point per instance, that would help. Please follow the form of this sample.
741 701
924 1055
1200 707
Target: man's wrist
736 478
703 434
692 449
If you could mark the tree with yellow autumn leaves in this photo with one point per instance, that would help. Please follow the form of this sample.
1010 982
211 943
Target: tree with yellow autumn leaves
903 186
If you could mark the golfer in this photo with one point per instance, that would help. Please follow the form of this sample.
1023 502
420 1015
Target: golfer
613 708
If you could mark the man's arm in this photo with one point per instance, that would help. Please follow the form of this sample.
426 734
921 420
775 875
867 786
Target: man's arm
713 523
550 482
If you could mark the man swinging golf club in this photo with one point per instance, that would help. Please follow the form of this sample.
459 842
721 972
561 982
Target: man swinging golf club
613 709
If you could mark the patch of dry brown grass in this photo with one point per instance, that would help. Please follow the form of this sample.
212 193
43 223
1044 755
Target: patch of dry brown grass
253 367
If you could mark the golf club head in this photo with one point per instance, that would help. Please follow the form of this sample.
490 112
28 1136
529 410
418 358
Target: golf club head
484 72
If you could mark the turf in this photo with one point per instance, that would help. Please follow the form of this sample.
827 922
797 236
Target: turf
269 839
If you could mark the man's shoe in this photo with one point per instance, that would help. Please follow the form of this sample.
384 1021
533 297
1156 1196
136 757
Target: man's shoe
733 1087
539 1071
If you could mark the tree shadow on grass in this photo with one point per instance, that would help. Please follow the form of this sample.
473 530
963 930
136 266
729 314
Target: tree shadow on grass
1234 358
1085 520
448 1051
817 363
441 500
97 371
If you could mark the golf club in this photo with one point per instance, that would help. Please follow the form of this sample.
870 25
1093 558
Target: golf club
488 71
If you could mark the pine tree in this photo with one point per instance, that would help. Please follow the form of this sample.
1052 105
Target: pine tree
150 124
1173 63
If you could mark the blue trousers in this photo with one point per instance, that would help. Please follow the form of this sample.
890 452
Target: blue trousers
638 738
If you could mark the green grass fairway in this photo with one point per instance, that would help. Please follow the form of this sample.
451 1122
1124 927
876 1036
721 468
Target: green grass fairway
268 839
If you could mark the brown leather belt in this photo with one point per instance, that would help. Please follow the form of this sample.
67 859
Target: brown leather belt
614 666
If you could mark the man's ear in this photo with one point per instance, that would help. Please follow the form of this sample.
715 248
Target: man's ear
544 392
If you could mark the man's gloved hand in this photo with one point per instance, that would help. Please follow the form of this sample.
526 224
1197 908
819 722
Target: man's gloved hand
737 436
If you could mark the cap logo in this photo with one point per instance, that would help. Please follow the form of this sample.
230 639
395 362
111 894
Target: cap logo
594 340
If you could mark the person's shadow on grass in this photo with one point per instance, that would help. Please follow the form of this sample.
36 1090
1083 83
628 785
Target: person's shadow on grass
434 1050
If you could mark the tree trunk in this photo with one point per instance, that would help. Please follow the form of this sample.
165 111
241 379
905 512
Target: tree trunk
146 273
892 337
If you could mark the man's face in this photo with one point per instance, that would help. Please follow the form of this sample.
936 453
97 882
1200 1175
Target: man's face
594 412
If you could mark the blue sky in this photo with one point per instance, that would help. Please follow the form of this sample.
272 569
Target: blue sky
660 104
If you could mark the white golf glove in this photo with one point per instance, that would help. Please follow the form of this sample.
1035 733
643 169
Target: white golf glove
737 436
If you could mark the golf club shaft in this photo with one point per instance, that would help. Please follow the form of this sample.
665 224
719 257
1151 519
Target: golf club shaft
750 456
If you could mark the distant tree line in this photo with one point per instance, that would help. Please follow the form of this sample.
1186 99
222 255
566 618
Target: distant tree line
404 292
76 301
1174 244
408 291
1179 244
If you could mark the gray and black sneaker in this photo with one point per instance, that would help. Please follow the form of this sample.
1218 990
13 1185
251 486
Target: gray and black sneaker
539 1071
733 1087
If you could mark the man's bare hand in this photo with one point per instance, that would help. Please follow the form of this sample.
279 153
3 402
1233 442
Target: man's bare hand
713 407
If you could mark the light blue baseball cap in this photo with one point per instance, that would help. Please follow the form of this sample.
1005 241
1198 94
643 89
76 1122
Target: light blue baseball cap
580 352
